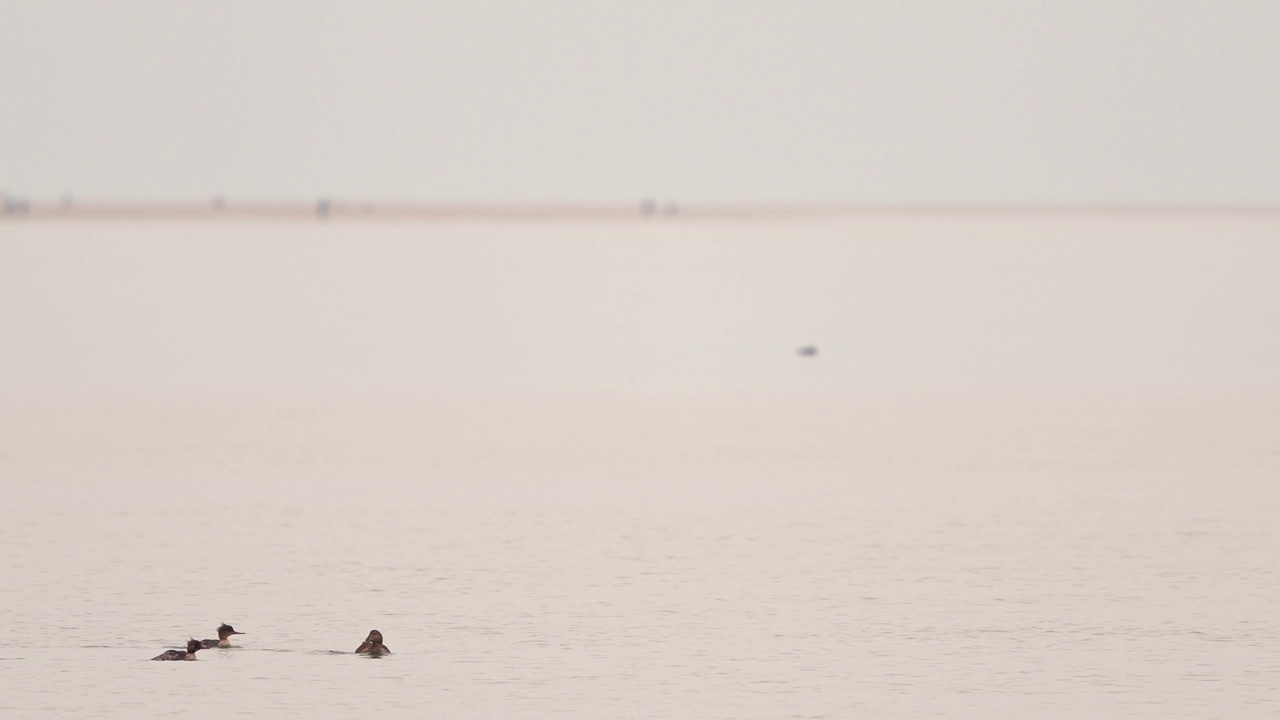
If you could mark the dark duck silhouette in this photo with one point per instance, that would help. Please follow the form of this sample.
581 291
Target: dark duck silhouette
372 645
193 645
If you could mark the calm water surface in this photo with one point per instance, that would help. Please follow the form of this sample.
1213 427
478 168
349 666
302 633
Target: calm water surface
697 557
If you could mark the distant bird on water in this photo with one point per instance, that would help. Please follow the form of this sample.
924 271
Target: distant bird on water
372 645
807 351
225 632
193 646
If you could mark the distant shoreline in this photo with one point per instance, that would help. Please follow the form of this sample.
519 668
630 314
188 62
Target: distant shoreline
15 211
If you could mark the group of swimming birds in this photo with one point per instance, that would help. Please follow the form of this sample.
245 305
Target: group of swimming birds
372 645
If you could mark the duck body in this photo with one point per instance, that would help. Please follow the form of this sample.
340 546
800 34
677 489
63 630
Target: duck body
193 646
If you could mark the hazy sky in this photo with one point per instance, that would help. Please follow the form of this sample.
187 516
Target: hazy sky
903 101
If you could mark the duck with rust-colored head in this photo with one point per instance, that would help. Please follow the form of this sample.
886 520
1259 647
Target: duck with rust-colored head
372 645
225 632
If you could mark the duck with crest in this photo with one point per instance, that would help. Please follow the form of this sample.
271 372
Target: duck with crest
225 632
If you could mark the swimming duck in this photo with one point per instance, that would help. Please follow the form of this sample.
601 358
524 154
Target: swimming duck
372 645
193 645
225 632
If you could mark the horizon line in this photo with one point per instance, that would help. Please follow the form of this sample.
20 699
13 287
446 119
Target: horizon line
15 209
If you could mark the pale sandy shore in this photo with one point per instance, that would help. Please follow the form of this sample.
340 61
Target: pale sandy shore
14 211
